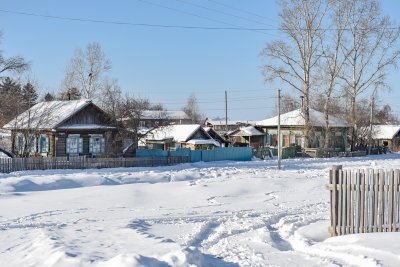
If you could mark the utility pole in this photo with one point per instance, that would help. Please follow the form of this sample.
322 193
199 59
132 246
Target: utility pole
226 111
279 130
370 124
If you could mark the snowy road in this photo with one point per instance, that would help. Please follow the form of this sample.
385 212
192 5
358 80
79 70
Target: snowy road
205 214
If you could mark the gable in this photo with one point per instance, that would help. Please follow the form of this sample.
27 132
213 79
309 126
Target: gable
89 115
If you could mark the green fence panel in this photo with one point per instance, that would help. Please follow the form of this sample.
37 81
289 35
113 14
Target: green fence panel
149 153
195 156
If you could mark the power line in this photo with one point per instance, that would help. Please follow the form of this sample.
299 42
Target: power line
241 10
222 12
236 108
222 101
265 90
195 15
124 23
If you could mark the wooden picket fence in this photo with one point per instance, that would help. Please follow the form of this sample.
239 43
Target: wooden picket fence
364 201
8 165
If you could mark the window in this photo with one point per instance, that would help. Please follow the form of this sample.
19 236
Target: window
19 143
74 144
43 144
25 145
96 144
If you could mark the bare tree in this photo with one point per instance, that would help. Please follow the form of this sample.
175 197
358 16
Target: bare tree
372 44
293 60
289 103
134 109
12 64
86 71
332 61
112 100
192 109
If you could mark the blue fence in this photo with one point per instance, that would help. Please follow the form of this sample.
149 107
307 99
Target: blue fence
216 154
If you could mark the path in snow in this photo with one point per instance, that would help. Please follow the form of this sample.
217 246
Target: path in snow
208 214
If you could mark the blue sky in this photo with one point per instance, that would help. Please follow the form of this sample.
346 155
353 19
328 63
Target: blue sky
165 65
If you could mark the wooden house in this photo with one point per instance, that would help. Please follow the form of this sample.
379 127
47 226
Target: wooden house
292 130
386 136
248 136
172 137
64 128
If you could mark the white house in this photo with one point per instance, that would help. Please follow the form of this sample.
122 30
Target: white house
293 127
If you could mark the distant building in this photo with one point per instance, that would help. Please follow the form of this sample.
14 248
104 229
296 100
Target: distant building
64 128
172 137
222 127
154 118
248 136
293 128
387 136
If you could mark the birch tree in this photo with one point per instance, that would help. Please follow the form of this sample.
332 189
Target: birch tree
192 109
293 60
86 71
372 44
332 61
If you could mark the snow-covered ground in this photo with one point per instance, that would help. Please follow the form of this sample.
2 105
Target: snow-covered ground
203 214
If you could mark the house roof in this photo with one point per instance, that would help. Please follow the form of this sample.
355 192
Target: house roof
179 133
296 118
214 134
246 131
204 142
384 131
47 115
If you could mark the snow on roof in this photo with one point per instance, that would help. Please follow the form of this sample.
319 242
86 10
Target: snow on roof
2 155
247 131
296 118
5 133
47 115
164 114
203 142
384 131
179 133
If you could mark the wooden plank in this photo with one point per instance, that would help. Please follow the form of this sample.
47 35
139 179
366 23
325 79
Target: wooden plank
362 202
390 199
349 196
340 207
345 203
352 196
380 200
376 205
367 201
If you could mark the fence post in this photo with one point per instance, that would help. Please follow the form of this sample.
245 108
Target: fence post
333 180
